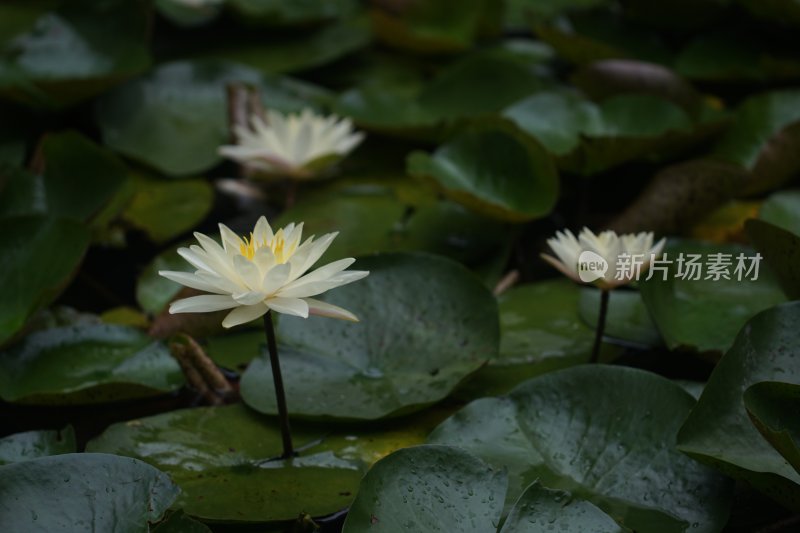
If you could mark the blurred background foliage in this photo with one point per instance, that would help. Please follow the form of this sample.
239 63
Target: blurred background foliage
490 125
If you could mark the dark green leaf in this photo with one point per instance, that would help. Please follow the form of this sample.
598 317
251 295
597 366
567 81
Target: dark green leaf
75 52
628 319
428 488
607 435
85 491
493 169
166 209
781 249
32 444
705 314
773 408
37 258
224 459
542 510
175 118
86 364
718 430
427 323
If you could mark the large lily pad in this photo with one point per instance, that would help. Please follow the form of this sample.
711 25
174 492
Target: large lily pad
429 488
605 434
773 408
224 460
718 430
78 179
427 323
540 331
493 169
482 83
75 52
166 209
37 257
86 364
542 510
706 314
373 219
85 491
175 118
32 444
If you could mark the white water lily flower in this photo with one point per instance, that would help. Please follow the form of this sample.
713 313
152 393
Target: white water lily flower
607 259
295 145
264 272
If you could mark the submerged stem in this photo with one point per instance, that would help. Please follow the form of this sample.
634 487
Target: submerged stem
280 394
601 325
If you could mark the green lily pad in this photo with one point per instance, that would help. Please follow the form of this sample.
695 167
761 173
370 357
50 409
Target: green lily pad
429 488
773 408
86 364
79 179
706 314
32 444
75 52
223 458
175 118
604 433
628 320
721 56
37 257
410 350
371 219
540 331
555 119
235 350
718 430
154 292
590 137
294 52
783 210
298 12
758 119
781 249
478 85
437 26
592 36
80 491
166 209
493 169
542 510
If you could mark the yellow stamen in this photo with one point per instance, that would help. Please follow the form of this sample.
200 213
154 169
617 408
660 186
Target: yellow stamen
277 244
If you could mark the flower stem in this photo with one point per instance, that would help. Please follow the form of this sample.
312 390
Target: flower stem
601 325
280 394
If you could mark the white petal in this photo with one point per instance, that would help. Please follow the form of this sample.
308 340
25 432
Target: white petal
188 279
314 288
317 249
323 272
262 232
289 306
244 314
195 260
275 278
249 298
230 241
248 271
320 308
202 304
